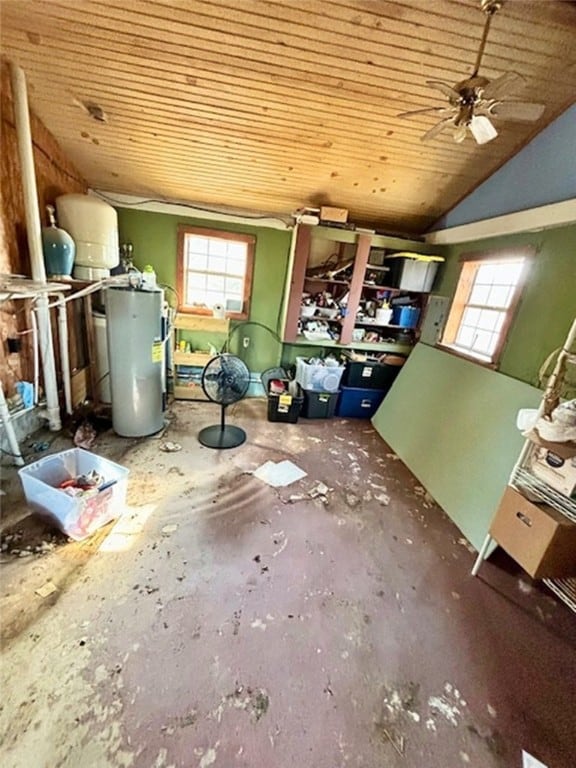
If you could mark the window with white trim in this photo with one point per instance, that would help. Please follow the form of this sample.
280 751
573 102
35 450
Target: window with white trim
484 303
215 269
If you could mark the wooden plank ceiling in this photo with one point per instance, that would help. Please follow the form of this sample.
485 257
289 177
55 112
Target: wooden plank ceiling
271 105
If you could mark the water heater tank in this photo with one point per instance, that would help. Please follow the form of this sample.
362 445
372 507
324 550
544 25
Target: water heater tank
93 225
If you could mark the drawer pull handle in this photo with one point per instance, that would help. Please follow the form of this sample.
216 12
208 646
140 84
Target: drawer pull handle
524 518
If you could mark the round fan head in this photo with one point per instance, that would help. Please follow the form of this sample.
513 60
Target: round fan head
225 379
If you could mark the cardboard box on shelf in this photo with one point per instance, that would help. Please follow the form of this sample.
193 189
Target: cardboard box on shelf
538 537
555 470
339 215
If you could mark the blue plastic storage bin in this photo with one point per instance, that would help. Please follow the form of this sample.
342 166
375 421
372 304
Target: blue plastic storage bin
359 403
406 317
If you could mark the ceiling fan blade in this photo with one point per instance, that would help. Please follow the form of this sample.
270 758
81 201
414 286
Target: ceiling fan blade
445 88
422 111
503 85
522 111
482 129
436 129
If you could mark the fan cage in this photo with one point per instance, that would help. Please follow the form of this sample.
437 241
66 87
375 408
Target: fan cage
225 379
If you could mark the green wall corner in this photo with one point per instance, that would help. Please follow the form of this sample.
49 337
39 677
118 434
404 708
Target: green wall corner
548 304
155 236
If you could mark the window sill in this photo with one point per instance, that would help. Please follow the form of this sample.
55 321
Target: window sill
208 313
467 355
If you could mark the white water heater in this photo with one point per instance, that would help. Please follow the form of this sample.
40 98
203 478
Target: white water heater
135 331
93 225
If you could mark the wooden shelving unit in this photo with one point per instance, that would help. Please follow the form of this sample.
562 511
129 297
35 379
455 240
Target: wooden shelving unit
356 286
192 390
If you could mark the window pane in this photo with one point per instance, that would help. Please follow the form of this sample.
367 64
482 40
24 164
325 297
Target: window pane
471 316
234 285
195 244
488 320
486 274
485 342
465 336
234 305
508 273
197 261
500 296
479 294
214 297
236 266
237 250
215 283
217 264
217 247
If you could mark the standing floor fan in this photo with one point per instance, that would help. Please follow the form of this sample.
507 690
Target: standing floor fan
225 380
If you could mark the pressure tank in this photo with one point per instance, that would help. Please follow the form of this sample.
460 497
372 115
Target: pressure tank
58 247
93 225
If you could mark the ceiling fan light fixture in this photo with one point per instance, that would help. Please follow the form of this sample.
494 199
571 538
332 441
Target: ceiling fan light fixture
476 98
482 129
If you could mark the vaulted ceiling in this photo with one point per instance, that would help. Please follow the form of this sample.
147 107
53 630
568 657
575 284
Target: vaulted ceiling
272 105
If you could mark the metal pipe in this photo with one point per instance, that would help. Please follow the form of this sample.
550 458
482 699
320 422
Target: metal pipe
7 421
34 232
34 323
64 353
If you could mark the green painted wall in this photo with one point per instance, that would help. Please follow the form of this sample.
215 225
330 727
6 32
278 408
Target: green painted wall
154 237
548 304
453 423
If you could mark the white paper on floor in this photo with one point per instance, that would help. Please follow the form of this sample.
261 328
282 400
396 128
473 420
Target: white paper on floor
279 474
530 762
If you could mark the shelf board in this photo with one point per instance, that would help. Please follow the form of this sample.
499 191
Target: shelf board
319 317
365 324
199 359
192 391
365 346
327 280
201 323
389 288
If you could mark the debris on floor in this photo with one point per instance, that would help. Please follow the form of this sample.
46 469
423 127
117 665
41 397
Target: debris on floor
397 741
530 762
319 491
85 436
46 589
17 544
280 474
158 645
170 447
169 529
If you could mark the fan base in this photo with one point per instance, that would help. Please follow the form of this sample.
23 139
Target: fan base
221 437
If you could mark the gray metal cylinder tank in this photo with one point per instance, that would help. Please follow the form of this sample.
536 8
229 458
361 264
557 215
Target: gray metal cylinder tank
136 354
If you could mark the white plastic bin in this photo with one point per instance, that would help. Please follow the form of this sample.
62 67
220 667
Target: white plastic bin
413 271
76 517
318 378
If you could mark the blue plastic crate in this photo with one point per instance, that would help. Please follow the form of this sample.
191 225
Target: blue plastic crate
359 403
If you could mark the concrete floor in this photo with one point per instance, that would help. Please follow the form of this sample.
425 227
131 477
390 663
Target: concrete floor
222 623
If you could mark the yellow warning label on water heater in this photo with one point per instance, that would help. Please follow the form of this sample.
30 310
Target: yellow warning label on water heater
157 347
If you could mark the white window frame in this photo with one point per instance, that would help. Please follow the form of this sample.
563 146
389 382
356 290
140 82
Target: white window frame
249 241
462 303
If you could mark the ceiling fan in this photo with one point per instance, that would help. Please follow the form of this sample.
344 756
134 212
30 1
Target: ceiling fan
475 101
